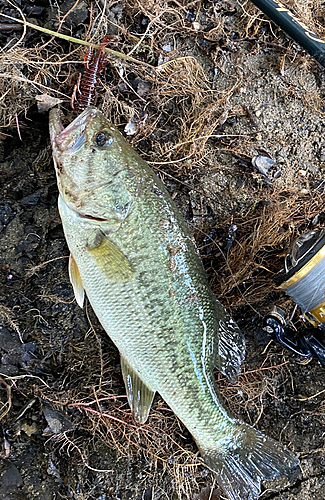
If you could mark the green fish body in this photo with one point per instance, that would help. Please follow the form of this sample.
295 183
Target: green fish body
133 255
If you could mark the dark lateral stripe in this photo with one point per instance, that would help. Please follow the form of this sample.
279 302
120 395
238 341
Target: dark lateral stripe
294 28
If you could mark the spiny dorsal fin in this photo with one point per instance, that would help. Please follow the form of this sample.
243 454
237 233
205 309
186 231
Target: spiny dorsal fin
139 395
110 260
76 281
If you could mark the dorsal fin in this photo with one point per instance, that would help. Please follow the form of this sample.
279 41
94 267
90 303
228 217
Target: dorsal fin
139 395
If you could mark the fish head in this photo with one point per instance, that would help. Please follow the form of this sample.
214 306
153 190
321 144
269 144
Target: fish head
92 163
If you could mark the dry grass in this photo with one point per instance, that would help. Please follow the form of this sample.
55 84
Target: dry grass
182 138
311 13
99 408
258 254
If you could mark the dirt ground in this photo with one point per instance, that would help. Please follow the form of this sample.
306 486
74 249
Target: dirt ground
212 85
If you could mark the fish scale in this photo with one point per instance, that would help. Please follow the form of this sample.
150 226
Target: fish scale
134 257
148 315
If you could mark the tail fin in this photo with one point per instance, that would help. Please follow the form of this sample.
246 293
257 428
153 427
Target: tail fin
248 458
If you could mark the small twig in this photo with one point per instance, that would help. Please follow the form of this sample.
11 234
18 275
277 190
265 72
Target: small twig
23 22
10 27
17 377
106 415
84 460
261 410
8 404
34 269
36 85
4 95
55 298
195 139
99 400
212 489
258 370
111 52
18 128
307 398
266 348
24 409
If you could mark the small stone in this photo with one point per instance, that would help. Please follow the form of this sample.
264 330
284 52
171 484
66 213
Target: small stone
161 59
207 494
77 13
196 26
231 236
29 429
46 102
167 47
12 477
57 422
9 370
53 470
315 220
142 87
131 127
262 163
190 15
8 341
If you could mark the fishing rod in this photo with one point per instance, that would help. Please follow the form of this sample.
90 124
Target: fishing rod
297 30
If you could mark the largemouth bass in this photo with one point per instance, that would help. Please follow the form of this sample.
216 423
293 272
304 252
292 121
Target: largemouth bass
133 255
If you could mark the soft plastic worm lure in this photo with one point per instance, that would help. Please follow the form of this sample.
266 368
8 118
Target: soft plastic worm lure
84 93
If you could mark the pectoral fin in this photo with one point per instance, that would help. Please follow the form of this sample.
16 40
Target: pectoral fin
139 395
110 260
76 281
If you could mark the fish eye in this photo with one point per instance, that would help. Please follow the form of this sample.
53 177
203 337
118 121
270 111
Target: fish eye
103 139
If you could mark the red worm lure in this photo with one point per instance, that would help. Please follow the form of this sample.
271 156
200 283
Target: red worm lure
84 93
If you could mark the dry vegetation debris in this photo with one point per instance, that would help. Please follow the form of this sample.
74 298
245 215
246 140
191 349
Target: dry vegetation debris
214 85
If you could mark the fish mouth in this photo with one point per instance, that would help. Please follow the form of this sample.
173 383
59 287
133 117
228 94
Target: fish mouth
91 217
71 138
80 215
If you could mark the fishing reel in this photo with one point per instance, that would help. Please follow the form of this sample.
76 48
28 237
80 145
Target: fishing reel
303 279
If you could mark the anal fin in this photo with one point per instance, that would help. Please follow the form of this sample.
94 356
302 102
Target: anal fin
139 395
76 281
